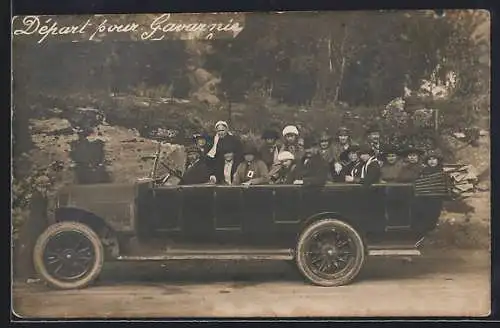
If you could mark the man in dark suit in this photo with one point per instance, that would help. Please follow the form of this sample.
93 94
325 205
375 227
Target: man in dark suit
311 169
270 149
226 168
370 167
196 171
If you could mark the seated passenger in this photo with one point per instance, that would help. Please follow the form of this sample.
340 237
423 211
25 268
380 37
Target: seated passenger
367 171
391 165
432 163
291 141
412 167
270 150
196 171
284 172
326 149
311 169
224 171
251 170
350 163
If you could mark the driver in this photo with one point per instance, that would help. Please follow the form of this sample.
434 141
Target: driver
196 171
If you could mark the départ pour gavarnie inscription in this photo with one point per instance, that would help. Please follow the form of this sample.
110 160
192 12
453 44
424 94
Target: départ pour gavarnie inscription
98 27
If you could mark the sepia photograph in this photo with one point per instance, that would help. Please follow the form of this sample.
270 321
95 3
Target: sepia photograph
251 164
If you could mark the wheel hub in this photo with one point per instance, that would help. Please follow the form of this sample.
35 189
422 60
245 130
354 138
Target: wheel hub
330 250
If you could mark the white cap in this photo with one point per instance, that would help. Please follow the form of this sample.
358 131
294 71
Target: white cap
290 129
221 123
285 155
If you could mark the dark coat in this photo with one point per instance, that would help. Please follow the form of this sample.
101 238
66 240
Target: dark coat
372 173
230 141
196 174
391 172
338 149
314 172
266 154
410 172
219 171
351 168
430 170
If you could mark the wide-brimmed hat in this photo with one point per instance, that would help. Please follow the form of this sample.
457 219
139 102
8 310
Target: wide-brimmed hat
249 149
372 129
411 149
389 149
343 131
433 153
290 129
270 134
310 142
365 149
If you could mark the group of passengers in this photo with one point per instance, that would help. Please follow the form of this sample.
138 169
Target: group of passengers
290 159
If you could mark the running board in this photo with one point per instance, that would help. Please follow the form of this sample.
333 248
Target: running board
278 254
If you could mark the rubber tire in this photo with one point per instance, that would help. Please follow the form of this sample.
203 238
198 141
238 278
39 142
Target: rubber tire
328 224
58 228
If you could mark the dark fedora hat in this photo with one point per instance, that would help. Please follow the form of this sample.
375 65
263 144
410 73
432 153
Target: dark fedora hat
270 134
325 137
365 149
433 153
389 149
249 149
343 131
310 142
411 149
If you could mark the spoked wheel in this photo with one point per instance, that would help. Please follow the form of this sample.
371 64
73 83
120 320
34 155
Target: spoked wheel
68 255
330 253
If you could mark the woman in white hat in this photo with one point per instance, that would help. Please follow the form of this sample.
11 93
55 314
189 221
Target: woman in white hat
223 139
290 141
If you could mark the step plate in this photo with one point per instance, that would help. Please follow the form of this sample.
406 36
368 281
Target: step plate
285 254
394 252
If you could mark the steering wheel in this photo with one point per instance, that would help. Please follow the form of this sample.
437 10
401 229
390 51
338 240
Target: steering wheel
162 180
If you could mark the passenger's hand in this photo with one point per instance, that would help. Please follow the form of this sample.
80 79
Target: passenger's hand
213 179
349 178
338 167
298 182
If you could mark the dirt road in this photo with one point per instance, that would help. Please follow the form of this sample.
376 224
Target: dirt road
436 284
